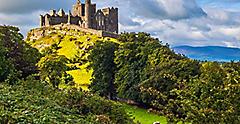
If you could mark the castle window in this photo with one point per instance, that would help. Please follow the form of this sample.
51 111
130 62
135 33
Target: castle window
99 23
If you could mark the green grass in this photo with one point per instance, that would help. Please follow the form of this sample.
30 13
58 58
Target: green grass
73 44
68 48
143 116
81 78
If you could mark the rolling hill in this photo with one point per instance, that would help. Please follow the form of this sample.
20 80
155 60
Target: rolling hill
73 44
209 53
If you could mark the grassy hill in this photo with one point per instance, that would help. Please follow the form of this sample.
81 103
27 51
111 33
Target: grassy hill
74 45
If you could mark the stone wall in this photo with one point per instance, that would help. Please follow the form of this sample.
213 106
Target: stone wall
45 31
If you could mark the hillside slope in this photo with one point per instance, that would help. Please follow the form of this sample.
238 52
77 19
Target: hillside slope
73 44
211 53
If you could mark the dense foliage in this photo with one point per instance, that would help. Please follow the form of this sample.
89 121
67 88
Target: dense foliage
213 96
180 88
131 59
53 69
145 65
18 59
32 101
102 62
136 67
26 93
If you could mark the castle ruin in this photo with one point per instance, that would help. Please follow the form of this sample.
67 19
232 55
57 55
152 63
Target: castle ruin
84 15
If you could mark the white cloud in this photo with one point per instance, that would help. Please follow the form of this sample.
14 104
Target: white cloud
28 6
24 21
165 9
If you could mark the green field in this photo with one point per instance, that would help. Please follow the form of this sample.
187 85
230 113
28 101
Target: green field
142 116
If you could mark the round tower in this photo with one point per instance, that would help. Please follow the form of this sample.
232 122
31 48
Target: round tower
88 14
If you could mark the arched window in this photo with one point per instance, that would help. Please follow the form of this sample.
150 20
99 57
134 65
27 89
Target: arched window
102 20
99 22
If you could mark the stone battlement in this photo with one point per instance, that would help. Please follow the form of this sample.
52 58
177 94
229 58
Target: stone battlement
38 33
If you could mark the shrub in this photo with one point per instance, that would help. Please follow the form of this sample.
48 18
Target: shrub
32 101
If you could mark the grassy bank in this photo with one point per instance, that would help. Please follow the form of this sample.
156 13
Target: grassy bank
143 116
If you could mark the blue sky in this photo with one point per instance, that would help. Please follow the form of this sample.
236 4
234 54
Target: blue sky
177 22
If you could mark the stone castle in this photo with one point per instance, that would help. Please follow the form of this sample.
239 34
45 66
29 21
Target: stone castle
85 16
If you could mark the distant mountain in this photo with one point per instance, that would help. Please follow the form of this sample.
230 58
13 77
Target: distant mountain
210 53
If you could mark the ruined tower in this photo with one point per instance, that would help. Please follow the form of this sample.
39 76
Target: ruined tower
84 15
42 21
78 9
88 14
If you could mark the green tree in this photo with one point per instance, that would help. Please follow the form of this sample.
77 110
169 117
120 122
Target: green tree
132 59
6 67
163 72
53 69
18 59
129 63
212 97
101 60
149 72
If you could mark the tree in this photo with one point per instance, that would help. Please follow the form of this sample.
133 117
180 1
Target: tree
163 72
18 58
212 97
131 60
6 67
53 69
101 60
149 72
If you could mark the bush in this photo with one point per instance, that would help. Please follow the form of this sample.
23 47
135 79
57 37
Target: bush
32 101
